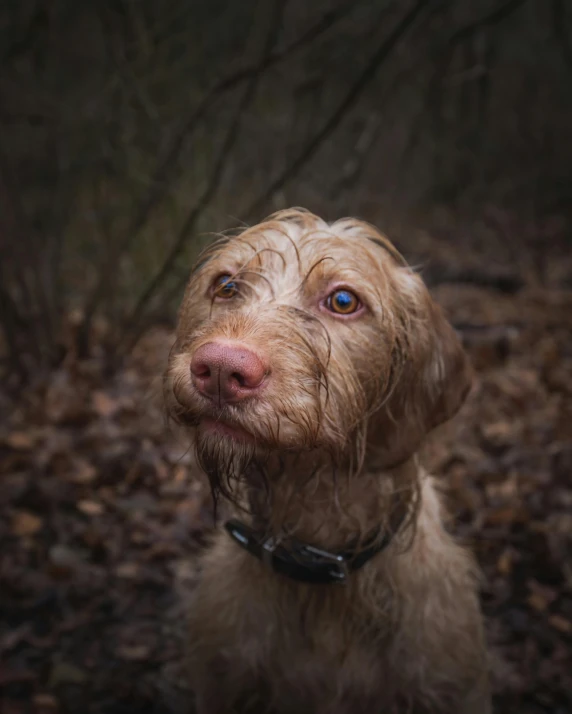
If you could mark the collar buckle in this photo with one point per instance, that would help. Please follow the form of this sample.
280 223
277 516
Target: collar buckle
267 553
339 565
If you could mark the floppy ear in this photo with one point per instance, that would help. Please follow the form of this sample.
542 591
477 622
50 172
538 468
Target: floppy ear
432 375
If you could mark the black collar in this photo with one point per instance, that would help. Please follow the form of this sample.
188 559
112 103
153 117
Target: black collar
302 562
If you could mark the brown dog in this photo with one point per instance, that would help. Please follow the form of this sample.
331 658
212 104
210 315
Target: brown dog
311 362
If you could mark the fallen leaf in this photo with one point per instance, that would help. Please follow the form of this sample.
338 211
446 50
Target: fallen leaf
561 624
25 523
504 563
134 653
46 702
180 474
90 508
500 433
82 472
537 602
128 571
20 440
103 404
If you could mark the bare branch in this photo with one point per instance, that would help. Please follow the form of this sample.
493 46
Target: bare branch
442 60
348 102
158 188
213 184
314 144
159 182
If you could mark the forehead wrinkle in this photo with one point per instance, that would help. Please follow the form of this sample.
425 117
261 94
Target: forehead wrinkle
354 228
343 252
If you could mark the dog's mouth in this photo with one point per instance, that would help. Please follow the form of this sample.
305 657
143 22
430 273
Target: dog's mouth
212 422
211 426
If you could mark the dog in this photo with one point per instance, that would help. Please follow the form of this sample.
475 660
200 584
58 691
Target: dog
310 362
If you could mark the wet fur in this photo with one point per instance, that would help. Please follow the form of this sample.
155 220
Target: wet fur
332 457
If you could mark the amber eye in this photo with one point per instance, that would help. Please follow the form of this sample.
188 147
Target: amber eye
343 302
224 287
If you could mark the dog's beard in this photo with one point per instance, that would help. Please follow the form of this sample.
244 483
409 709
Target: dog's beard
226 462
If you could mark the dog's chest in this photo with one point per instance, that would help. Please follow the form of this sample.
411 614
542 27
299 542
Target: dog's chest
303 660
301 644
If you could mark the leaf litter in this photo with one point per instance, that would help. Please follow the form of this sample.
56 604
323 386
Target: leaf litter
103 514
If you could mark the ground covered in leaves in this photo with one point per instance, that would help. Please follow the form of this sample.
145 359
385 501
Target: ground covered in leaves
102 515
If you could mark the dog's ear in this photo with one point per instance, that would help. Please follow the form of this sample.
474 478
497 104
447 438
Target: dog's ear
432 374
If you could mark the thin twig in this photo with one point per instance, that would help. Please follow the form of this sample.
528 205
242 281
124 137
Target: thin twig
159 185
347 103
443 60
331 124
158 188
133 331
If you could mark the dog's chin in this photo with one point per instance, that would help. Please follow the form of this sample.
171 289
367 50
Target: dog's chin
216 428
226 453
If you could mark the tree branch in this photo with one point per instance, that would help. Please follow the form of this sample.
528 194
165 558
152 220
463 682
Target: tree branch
158 187
347 103
132 324
159 183
331 124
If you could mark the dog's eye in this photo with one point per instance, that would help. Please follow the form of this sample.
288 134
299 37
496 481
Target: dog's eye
224 287
343 302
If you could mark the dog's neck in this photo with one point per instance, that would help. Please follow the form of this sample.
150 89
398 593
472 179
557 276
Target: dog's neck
331 508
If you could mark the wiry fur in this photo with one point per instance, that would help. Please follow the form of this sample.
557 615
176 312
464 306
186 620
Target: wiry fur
332 456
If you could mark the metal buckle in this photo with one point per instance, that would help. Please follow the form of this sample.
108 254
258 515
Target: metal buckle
340 569
268 547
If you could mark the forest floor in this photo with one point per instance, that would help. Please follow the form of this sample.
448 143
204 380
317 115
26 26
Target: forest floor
102 515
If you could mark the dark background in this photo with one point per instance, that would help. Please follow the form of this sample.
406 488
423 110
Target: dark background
130 131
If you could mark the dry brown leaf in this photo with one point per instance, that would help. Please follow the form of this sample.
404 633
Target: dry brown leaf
128 571
90 508
500 433
25 523
561 624
104 405
82 472
504 563
46 702
537 602
134 653
505 490
20 440
180 474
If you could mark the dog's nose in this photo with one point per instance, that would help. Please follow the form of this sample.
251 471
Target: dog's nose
227 372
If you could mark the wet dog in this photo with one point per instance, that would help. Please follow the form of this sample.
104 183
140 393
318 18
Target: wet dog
310 363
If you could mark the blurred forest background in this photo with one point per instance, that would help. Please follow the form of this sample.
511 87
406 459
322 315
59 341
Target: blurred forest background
130 131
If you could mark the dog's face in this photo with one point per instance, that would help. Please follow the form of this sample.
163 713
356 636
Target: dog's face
296 335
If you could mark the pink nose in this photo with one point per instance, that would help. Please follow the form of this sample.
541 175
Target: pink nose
226 372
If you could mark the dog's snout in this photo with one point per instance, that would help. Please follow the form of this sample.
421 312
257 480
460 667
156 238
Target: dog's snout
227 372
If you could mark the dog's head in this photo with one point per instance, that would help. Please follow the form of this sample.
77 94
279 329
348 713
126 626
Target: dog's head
299 336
